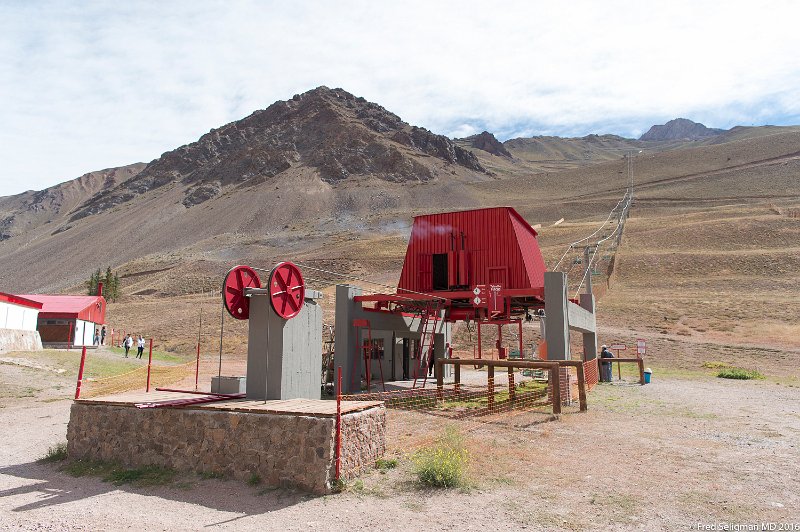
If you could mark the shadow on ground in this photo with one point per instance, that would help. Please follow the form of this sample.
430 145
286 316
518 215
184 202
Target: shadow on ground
53 487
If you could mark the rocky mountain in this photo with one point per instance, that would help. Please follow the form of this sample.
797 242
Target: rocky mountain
487 142
325 175
330 131
31 209
680 129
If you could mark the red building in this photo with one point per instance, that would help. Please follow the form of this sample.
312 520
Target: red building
459 250
69 319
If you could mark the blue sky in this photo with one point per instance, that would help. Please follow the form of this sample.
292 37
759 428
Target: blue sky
91 85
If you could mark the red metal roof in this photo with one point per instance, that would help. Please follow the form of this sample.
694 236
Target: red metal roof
88 308
19 300
482 246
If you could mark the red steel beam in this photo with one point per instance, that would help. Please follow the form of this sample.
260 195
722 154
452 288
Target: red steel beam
461 294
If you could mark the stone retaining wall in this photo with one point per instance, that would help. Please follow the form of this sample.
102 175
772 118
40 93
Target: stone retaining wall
284 450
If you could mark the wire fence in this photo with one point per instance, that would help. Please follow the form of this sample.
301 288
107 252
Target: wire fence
516 399
151 374
137 379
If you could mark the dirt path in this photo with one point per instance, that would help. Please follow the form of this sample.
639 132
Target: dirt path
668 455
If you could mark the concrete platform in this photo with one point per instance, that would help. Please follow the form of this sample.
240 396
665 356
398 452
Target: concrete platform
295 407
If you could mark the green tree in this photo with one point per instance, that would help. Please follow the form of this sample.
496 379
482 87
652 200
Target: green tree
91 284
110 286
116 286
110 282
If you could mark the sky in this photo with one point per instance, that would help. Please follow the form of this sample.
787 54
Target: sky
91 85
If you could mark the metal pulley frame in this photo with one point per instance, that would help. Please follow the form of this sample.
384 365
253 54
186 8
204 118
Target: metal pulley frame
286 290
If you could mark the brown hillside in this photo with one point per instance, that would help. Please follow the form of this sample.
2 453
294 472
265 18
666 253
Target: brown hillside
707 221
31 209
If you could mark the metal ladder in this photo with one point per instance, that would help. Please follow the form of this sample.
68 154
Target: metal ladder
428 318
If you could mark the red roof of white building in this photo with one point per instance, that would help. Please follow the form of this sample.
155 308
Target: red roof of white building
19 300
87 308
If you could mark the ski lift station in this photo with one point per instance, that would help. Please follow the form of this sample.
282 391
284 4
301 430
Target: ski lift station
483 267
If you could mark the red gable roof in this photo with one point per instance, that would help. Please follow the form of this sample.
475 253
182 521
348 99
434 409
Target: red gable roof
481 246
88 308
19 300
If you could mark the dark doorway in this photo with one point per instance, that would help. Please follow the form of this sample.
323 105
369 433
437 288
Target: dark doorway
406 357
440 280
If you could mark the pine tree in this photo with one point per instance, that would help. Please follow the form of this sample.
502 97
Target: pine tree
91 284
116 286
108 284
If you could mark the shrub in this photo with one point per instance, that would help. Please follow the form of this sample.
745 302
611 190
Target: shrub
715 365
385 464
443 465
254 480
56 453
739 373
118 475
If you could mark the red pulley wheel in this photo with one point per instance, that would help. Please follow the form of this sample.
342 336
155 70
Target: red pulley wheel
239 278
286 290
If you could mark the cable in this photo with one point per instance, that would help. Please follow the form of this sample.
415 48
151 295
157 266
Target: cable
597 245
347 276
573 244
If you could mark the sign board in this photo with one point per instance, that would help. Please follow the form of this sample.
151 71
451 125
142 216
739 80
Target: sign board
495 299
641 346
618 347
480 297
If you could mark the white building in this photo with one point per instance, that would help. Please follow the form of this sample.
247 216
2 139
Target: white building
19 317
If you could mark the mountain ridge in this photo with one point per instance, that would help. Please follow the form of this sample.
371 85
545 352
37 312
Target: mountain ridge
680 129
333 132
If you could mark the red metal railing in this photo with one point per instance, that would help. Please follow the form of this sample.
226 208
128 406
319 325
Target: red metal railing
80 374
149 365
338 423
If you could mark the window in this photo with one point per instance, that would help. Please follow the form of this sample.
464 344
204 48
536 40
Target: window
377 348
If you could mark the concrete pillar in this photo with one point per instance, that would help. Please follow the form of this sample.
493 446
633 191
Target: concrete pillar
284 357
589 338
345 345
587 271
556 316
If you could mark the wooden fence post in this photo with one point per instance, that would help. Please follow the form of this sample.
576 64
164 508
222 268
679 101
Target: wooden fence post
555 379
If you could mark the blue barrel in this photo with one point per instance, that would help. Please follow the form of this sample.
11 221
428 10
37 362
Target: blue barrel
647 374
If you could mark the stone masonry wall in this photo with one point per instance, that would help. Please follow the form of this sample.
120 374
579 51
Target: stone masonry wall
363 441
284 450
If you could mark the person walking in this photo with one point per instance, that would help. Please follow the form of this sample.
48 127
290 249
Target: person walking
139 346
605 375
127 343
97 337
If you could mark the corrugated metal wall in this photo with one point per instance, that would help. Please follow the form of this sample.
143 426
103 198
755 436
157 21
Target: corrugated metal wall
500 247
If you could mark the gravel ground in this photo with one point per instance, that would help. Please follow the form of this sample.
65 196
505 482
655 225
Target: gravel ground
669 455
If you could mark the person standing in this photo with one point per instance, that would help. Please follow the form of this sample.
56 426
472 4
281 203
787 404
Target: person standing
606 366
127 343
139 346
96 337
103 335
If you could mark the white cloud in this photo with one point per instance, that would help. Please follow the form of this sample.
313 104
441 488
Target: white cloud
88 86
